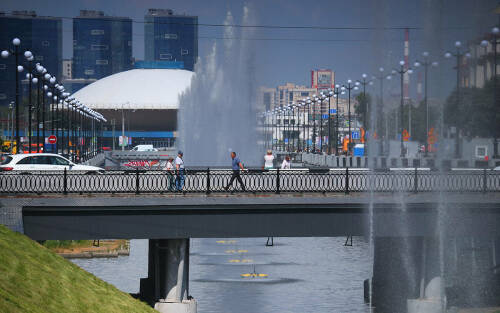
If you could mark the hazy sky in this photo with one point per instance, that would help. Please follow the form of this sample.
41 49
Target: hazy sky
289 54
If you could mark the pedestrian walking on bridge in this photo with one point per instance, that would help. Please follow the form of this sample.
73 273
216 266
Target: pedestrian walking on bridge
179 168
237 166
170 174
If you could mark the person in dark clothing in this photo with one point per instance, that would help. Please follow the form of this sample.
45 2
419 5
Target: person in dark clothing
237 166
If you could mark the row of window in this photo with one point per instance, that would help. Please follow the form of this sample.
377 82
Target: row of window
170 36
168 56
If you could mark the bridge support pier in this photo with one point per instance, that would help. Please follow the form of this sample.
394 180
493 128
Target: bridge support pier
167 286
416 275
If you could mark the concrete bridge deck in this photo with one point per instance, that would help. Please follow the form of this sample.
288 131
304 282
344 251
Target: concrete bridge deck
247 215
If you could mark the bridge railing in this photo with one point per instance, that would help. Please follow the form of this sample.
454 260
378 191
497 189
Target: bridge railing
255 180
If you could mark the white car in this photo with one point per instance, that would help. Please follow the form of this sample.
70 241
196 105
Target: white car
42 162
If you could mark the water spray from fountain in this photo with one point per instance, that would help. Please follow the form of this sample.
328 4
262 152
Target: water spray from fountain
217 114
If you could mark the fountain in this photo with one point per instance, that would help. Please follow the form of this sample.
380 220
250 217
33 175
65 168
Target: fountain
217 114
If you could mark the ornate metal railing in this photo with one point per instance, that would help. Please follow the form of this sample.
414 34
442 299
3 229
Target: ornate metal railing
255 180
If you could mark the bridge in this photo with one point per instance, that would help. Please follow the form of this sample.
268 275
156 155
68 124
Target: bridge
256 181
398 210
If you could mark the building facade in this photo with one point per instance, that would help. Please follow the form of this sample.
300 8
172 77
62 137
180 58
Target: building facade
102 45
40 35
67 69
170 37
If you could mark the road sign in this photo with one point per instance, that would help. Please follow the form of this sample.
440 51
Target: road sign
355 135
122 141
333 111
52 139
406 135
432 138
324 116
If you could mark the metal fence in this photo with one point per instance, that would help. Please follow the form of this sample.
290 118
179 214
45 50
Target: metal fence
255 181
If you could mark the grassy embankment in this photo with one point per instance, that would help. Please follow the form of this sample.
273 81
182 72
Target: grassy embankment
34 279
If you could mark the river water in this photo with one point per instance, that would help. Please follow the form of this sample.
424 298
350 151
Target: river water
304 274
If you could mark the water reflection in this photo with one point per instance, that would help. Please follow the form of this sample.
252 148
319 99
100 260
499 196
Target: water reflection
304 274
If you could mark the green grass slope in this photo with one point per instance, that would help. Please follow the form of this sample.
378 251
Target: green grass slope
33 279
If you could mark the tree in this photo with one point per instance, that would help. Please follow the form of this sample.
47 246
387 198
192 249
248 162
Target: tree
477 114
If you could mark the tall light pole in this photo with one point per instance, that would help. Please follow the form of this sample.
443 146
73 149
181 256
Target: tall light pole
314 100
303 143
308 102
381 78
349 87
365 82
336 94
458 54
494 41
322 99
5 54
29 57
426 63
401 72
329 95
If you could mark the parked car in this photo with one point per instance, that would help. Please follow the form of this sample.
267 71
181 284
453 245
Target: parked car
42 162
144 148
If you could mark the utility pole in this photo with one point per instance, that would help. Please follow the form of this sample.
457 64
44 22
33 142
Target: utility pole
123 130
113 136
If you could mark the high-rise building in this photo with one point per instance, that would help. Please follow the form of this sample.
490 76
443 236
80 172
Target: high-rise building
41 35
170 37
102 45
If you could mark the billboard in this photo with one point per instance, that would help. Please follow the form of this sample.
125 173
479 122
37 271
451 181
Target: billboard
322 79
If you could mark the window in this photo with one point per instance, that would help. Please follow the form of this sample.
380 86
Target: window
170 36
291 96
41 160
97 32
304 94
74 43
184 51
3 96
101 62
129 43
25 161
45 43
89 72
481 151
165 56
58 160
99 47
5 159
39 57
2 66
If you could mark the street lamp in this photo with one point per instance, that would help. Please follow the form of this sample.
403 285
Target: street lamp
323 97
308 102
426 63
16 42
458 54
401 72
365 82
349 87
329 95
336 93
381 78
29 57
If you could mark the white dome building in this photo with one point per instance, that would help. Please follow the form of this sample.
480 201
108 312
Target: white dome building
147 98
